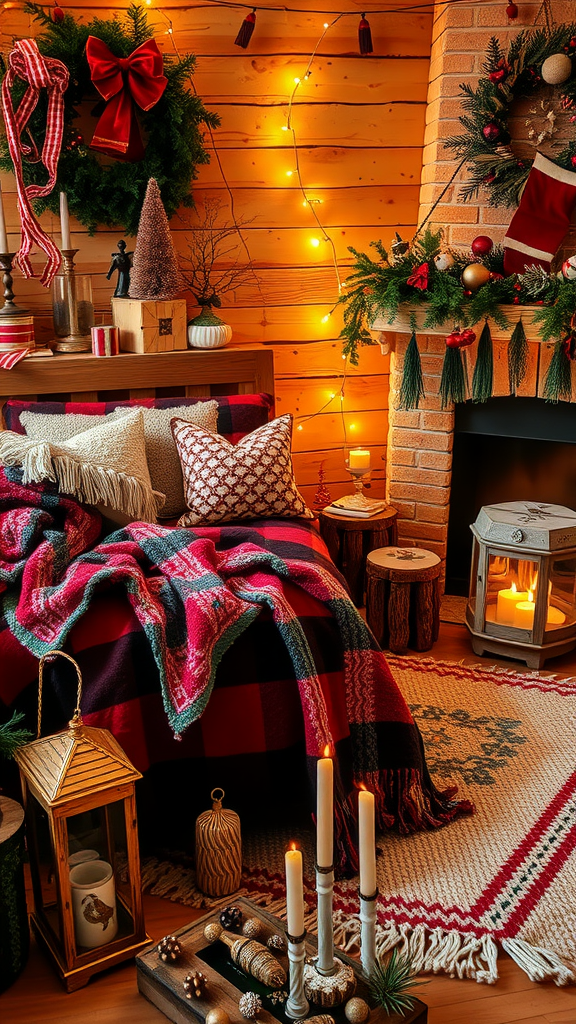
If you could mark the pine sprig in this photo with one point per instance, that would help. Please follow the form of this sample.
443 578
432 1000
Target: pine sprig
11 737
390 983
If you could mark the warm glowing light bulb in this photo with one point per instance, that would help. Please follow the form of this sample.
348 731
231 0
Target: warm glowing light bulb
289 174
332 397
296 81
306 77
284 127
315 242
326 25
325 320
148 2
352 426
299 426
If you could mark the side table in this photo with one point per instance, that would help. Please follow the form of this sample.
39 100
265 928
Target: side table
403 597
349 540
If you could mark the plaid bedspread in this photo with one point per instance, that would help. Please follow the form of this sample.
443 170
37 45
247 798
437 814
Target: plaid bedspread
243 633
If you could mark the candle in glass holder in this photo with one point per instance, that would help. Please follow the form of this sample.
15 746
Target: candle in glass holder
524 613
506 605
65 222
359 458
294 892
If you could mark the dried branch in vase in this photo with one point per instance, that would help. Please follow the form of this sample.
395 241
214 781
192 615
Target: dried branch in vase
213 266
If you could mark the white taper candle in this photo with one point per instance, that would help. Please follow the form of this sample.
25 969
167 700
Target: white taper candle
3 235
65 222
325 811
294 892
367 836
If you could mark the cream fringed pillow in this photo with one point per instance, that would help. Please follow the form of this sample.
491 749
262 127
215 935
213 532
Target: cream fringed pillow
161 454
251 480
105 465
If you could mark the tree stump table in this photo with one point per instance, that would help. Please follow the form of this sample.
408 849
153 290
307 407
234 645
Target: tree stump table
403 597
349 540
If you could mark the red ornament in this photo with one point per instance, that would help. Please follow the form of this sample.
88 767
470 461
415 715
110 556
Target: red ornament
573 160
569 346
419 277
516 300
460 339
467 293
495 276
491 131
57 14
512 11
482 245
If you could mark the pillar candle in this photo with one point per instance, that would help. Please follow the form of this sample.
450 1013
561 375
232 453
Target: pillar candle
65 222
294 892
325 811
554 617
506 606
524 613
359 458
3 235
367 834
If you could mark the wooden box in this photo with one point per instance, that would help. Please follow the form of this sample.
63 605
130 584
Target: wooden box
150 325
161 983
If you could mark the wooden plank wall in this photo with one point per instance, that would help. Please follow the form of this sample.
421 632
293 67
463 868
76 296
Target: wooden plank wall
359 125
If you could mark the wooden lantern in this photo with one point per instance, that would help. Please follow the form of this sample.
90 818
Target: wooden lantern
522 599
79 796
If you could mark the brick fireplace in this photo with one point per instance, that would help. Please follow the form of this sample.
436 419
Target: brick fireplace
420 442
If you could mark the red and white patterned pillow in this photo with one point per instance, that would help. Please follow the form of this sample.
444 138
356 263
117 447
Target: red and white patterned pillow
251 480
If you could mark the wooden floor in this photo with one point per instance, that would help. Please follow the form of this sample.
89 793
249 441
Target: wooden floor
112 998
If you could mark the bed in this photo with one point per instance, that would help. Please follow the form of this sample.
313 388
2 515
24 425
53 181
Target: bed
258 735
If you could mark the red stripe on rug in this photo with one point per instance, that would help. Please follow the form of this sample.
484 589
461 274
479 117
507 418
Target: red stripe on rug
540 884
500 677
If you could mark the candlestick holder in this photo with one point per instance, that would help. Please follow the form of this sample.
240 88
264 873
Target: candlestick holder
297 1006
9 308
325 888
368 931
73 309
358 501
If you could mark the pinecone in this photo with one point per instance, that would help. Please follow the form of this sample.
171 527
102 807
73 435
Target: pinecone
169 949
277 943
252 928
195 984
250 1005
231 918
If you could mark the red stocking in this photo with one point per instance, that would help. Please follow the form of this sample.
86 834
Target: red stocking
542 218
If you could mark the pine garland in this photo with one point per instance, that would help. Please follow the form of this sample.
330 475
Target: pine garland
453 384
483 378
11 737
517 357
111 193
558 382
412 386
390 982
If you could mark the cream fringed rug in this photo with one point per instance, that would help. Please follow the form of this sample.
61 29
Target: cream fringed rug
505 877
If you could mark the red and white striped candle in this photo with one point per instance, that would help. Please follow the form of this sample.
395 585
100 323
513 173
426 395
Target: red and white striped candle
105 340
16 333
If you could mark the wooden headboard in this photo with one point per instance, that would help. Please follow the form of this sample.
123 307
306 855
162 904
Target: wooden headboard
194 373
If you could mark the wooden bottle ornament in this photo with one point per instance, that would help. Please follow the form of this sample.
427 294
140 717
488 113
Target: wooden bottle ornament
250 955
218 849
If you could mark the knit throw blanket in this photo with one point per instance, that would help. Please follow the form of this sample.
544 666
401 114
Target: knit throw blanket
192 601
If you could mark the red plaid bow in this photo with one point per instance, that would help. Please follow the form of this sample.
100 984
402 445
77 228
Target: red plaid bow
124 81
26 62
419 277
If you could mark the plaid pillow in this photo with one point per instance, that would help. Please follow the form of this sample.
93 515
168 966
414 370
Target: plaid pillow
238 415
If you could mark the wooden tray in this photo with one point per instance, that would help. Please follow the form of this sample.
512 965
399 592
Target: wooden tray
162 983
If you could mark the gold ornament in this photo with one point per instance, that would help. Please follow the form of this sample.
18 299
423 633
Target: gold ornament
251 956
357 1010
217 1016
322 1018
557 69
252 928
474 276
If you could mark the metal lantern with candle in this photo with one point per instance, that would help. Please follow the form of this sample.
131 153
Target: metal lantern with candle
79 795
522 601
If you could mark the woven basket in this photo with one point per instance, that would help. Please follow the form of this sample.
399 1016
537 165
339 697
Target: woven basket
218 849
401 322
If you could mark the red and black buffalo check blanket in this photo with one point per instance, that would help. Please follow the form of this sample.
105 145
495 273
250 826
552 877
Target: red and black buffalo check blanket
243 634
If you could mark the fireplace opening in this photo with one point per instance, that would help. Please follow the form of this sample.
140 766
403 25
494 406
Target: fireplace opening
508 449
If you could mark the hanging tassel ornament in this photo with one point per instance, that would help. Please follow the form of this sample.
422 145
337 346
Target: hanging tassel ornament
453 381
517 357
246 29
558 383
412 386
483 378
365 36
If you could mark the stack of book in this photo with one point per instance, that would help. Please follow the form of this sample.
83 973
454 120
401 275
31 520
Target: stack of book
343 507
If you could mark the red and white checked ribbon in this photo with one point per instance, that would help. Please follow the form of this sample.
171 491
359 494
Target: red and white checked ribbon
8 360
26 62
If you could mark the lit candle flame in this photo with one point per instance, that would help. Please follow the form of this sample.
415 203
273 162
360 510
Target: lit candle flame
292 846
361 786
530 597
513 588
327 750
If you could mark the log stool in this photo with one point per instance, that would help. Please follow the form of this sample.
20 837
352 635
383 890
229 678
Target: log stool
349 540
403 597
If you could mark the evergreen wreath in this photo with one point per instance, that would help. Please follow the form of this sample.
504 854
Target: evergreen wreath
111 192
485 142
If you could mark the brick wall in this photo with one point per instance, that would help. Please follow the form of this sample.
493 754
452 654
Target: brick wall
420 442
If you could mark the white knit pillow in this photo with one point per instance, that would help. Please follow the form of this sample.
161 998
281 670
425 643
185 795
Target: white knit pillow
161 454
253 479
104 465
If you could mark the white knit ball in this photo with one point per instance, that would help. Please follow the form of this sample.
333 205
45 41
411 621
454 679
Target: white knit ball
557 69
443 261
569 268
